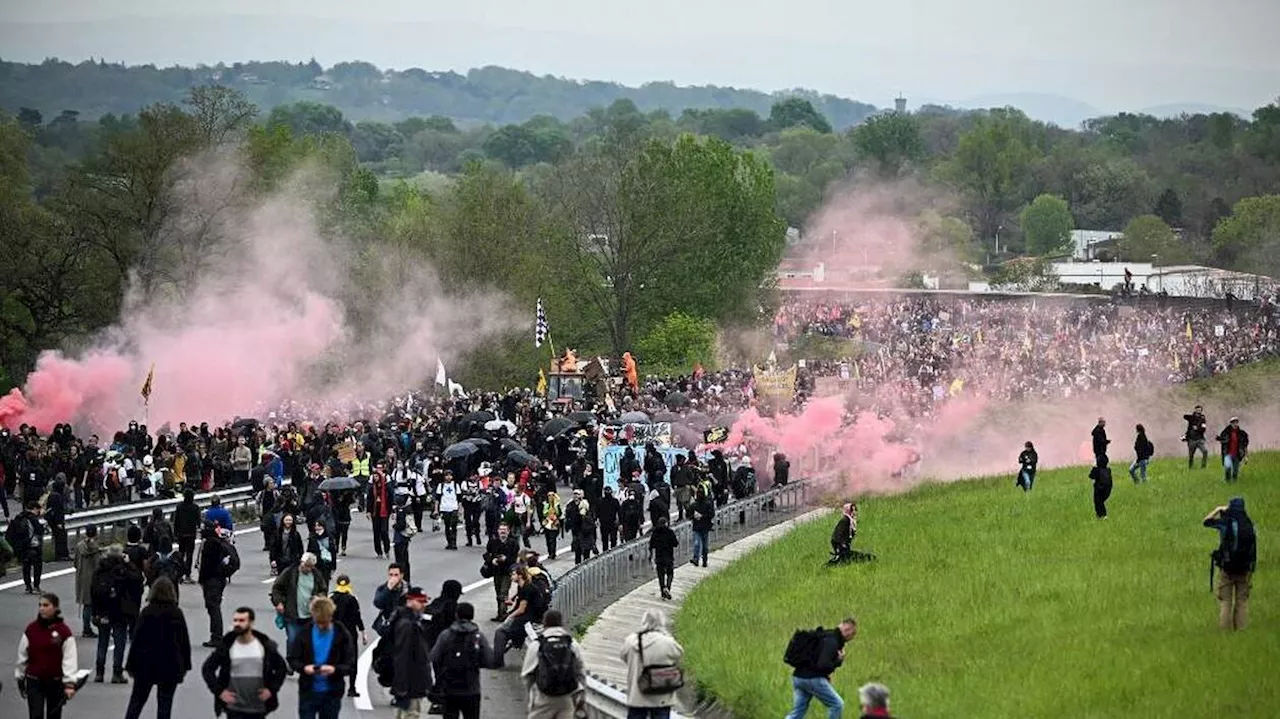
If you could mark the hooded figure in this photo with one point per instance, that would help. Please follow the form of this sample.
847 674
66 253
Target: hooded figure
1235 558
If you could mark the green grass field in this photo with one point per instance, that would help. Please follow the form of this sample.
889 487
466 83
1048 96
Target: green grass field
986 602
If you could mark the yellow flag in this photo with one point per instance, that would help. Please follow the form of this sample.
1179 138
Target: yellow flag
1188 329
146 386
542 383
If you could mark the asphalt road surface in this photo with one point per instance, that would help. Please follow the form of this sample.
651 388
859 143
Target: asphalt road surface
431 565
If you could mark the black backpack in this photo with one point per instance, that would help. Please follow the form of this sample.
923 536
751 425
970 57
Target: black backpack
1239 550
555 674
802 650
384 657
104 593
462 658
230 559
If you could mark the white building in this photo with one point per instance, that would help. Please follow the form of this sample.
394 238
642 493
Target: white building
1086 243
1177 280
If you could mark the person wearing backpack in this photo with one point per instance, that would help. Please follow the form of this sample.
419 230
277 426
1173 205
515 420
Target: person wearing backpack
218 561
553 671
652 657
815 655
409 655
460 652
1143 451
26 535
1235 559
117 600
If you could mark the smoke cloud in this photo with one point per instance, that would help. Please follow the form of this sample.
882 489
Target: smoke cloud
263 308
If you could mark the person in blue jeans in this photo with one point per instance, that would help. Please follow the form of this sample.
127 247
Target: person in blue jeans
702 512
813 680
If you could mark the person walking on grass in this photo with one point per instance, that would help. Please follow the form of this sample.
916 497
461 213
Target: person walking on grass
553 673
874 699
1101 476
1235 559
245 672
662 553
1194 437
323 655
1143 450
811 679
160 655
650 647
1028 459
1235 447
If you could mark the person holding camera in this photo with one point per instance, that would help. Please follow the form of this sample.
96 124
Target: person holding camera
1235 559
1194 437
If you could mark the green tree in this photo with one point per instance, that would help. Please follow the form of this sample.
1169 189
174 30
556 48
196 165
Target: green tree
991 166
891 140
310 118
795 111
1046 225
678 343
1169 207
1249 240
1148 235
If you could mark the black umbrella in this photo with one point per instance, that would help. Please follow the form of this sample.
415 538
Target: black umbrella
677 399
480 442
554 427
461 449
510 445
582 417
477 417
523 458
244 421
338 484
634 418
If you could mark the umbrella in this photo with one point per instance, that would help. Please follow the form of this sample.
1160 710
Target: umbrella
477 417
634 418
338 484
461 449
244 421
557 426
523 458
494 425
582 417
666 417
677 399
510 445
480 442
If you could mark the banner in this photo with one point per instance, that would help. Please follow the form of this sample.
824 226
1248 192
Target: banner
775 384
633 435
611 457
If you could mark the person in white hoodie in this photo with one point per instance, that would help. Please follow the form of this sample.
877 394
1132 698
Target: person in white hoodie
651 647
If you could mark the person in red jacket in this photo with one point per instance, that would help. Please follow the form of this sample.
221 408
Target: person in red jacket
380 510
47 661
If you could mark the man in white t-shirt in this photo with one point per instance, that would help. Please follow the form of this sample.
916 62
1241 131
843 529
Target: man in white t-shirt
447 500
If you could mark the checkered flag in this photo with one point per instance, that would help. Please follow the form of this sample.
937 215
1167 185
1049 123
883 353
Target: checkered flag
540 328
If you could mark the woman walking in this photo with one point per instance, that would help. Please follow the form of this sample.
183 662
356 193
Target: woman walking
47 661
160 655
652 648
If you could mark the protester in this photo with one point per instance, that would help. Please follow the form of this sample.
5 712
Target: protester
1100 440
443 612
1143 451
321 544
1235 448
290 591
402 533
346 613
116 592
500 559
389 597
607 510
411 656
87 556
186 527
846 530
215 564
380 510
55 516
530 604
1194 436
1101 476
1028 459
26 535
553 672
811 678
650 648
447 504
160 655
47 661
1235 558
874 699
245 672
323 655
287 548
551 512
458 655
662 553
219 515
703 512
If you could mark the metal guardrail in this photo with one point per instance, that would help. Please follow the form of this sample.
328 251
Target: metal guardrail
601 580
119 514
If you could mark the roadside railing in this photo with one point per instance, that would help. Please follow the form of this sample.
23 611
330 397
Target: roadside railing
589 587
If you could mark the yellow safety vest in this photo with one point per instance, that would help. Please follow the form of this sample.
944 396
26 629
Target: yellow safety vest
360 467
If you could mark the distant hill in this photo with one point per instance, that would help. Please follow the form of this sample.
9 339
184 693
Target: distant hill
365 92
1062 111
1193 108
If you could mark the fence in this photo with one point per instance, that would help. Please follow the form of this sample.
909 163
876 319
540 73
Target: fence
592 585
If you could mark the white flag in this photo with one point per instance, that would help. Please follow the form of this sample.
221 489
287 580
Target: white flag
441 378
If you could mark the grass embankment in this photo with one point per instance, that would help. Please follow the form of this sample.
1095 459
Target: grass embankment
986 602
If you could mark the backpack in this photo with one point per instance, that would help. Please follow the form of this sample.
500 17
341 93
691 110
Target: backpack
230 559
802 651
542 583
555 674
384 660
19 533
103 593
462 658
1239 549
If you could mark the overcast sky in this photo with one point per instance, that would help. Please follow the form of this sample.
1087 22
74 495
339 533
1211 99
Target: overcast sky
1111 54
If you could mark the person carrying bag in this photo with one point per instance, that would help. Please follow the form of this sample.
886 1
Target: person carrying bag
654 675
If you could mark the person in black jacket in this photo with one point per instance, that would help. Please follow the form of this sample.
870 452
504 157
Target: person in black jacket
212 579
813 679
501 554
781 470
1101 476
1100 440
1194 437
117 586
703 512
346 612
186 527
461 652
160 655
662 553
1028 460
411 655
240 695
607 511
55 515
323 655
1143 450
